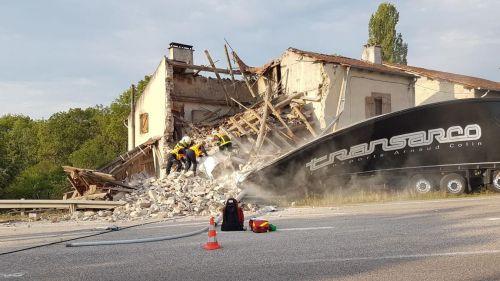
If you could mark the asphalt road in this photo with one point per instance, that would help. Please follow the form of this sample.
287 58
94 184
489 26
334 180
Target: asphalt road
456 239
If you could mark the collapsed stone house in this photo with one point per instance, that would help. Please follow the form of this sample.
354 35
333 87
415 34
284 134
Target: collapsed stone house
335 91
177 94
284 103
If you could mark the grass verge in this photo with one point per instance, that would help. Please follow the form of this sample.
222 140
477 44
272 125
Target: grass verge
375 196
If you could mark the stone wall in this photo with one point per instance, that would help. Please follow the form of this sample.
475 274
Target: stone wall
324 82
208 90
362 84
153 102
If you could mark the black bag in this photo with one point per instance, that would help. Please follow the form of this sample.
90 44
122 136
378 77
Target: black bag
231 217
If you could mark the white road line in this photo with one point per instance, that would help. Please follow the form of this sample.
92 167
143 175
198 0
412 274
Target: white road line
493 219
170 225
397 257
12 275
428 201
326 214
305 228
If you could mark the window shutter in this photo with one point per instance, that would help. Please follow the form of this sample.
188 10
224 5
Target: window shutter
144 123
386 103
369 107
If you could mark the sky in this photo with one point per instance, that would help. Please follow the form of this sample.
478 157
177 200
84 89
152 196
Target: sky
57 55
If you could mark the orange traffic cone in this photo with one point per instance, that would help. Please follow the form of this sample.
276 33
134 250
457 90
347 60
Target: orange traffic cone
212 243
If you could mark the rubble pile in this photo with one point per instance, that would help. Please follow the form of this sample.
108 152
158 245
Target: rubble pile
179 194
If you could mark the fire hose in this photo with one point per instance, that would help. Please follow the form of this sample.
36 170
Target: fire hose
163 238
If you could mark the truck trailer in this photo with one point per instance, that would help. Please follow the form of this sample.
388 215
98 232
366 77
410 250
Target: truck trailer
452 146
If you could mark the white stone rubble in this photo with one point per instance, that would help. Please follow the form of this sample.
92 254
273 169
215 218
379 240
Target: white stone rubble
177 195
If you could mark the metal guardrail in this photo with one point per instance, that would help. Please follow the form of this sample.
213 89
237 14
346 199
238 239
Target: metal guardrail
72 205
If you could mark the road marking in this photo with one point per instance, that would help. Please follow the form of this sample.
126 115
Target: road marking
493 219
397 257
12 275
305 228
170 225
428 201
101 264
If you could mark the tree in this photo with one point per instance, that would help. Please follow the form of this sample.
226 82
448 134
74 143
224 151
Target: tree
18 146
65 132
382 31
111 139
42 181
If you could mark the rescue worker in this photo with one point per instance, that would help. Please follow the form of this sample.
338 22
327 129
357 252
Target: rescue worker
194 152
177 154
222 140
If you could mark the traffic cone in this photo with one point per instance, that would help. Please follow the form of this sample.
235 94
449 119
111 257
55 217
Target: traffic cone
212 243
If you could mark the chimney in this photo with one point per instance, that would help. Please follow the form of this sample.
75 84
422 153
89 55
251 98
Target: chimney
181 52
372 53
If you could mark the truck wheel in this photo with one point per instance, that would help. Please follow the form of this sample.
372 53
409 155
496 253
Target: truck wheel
495 184
453 183
422 184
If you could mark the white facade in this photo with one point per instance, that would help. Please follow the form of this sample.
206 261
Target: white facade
324 83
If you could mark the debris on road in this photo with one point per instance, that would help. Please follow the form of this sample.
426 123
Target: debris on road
177 195
90 184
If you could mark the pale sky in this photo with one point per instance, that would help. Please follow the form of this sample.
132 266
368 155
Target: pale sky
56 55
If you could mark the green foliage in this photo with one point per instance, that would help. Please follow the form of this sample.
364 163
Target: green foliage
18 146
94 153
382 31
42 181
65 132
32 151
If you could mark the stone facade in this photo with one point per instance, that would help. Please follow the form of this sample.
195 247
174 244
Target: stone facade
324 84
174 91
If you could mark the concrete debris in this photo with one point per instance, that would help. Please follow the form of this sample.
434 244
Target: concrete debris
33 216
176 195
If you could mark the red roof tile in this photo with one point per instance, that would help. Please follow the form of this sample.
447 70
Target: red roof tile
469 81
351 62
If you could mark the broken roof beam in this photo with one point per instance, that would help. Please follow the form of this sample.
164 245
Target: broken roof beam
179 64
278 116
230 67
242 72
263 120
218 76
304 119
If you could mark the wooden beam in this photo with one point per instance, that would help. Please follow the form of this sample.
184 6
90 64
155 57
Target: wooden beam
177 98
278 115
255 130
304 119
237 125
250 125
179 64
240 128
279 136
256 115
287 101
226 93
230 67
263 121
242 71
